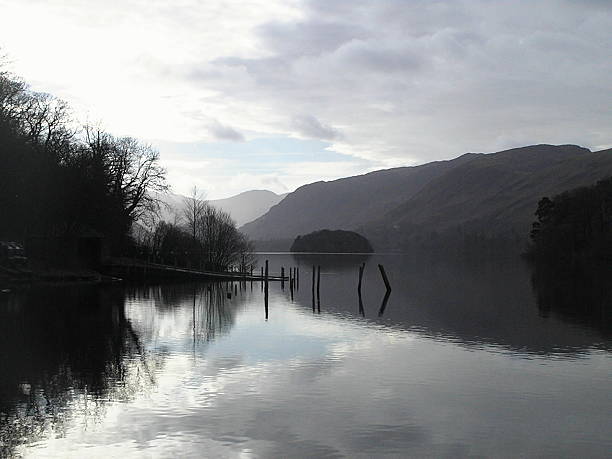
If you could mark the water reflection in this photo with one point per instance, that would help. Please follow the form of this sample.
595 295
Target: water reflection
473 302
580 295
457 361
63 347
68 349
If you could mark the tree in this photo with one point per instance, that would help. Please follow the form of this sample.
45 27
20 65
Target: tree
132 175
194 206
574 225
55 181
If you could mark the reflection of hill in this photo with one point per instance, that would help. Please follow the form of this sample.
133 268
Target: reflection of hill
61 345
485 302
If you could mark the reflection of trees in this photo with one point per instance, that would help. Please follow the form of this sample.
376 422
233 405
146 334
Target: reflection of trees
204 308
341 263
581 294
64 351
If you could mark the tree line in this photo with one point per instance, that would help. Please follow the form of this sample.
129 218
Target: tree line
200 237
60 179
575 225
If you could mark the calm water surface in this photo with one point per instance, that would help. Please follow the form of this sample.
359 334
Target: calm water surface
462 360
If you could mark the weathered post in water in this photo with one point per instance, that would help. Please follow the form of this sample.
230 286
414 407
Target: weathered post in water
282 278
384 276
361 269
313 288
266 290
319 289
297 278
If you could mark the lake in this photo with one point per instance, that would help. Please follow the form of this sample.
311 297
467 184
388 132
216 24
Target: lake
463 359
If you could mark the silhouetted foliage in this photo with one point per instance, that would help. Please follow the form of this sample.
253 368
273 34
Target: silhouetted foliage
58 181
337 241
210 241
574 225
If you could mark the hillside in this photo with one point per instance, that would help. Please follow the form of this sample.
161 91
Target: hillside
492 194
345 203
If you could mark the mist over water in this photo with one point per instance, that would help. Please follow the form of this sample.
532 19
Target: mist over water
463 359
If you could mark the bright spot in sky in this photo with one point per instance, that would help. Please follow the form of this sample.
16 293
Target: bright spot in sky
275 94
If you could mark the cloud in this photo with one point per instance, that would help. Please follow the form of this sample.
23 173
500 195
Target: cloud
222 132
309 126
391 82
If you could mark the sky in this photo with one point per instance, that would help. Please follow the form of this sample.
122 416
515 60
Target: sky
275 94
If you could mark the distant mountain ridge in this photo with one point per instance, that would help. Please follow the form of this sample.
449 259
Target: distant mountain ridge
242 207
491 194
345 203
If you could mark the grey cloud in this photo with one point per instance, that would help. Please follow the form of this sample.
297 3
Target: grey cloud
309 126
222 132
415 81
376 58
308 38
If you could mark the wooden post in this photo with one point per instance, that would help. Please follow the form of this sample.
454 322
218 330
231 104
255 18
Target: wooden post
319 289
313 289
314 273
361 269
297 278
266 290
282 277
384 276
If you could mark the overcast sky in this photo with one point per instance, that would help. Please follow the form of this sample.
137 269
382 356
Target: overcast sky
273 94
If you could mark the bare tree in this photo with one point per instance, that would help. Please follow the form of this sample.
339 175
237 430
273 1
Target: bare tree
133 171
194 206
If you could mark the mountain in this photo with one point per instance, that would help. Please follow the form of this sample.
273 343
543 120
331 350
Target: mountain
243 207
345 203
248 206
493 194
